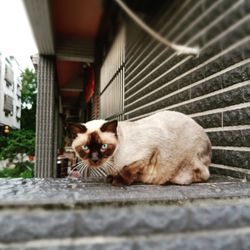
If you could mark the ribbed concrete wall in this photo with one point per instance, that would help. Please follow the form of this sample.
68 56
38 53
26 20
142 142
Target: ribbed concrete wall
213 88
46 120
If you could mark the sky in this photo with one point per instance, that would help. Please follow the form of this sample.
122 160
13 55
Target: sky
16 38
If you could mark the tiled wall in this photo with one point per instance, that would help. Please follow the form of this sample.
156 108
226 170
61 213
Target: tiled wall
213 88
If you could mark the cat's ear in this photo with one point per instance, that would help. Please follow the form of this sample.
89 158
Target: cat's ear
76 128
109 126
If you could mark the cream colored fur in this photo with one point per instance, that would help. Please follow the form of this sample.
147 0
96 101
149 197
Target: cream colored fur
166 147
183 150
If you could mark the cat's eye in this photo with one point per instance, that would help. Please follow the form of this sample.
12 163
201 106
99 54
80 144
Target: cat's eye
85 147
104 146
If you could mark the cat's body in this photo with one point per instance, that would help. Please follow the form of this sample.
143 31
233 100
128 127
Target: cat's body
164 147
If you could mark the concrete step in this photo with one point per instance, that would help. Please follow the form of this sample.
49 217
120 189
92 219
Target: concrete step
89 214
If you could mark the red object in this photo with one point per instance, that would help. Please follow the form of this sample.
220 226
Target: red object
31 157
90 87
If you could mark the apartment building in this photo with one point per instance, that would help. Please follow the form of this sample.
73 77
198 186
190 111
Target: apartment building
10 92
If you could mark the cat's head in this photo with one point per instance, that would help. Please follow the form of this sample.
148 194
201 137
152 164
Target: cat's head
95 141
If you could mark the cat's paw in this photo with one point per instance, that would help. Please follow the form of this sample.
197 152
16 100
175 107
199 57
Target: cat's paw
116 180
109 178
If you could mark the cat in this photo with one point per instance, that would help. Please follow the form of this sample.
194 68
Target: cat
166 147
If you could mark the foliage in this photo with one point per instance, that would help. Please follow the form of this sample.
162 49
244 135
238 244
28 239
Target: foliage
28 98
22 142
22 169
17 142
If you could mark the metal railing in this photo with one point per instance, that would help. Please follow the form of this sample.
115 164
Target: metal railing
112 79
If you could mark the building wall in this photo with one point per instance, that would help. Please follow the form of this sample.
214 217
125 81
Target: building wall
10 86
213 88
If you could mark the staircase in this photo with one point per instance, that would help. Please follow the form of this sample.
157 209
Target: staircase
90 214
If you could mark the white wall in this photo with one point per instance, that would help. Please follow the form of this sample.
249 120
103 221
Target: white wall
11 120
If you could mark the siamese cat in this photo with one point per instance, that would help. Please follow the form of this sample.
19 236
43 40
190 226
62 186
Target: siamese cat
166 147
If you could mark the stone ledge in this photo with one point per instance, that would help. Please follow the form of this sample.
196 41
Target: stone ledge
226 239
25 225
90 214
61 193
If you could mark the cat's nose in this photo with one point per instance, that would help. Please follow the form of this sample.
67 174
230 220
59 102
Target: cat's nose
95 160
94 157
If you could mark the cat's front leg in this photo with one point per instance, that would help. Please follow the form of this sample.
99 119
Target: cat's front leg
127 176
116 180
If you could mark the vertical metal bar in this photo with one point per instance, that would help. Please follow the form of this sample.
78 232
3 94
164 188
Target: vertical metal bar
112 73
39 100
120 91
116 97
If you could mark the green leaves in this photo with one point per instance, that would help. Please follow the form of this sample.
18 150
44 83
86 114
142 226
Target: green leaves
28 98
22 141
22 169
29 88
18 142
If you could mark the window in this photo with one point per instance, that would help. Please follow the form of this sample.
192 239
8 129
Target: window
8 104
9 76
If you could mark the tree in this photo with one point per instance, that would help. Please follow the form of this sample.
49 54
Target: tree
17 142
28 97
20 143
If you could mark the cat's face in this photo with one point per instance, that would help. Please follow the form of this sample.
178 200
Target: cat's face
95 141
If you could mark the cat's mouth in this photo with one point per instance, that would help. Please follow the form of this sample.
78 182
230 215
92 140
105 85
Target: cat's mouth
94 163
86 168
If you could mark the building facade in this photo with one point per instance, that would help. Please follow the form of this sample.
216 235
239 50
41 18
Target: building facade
136 76
139 76
10 92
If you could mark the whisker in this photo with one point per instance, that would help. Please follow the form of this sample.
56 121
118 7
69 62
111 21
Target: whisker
105 167
109 163
79 164
98 172
93 172
84 173
109 170
87 172
101 171
75 168
112 168
105 164
82 169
